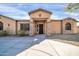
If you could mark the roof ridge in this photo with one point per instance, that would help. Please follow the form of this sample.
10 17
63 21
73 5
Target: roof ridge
8 17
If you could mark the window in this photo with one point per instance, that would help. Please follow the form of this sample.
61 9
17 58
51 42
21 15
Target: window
24 27
68 26
1 26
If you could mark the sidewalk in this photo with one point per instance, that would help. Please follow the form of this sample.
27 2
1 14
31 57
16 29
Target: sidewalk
51 48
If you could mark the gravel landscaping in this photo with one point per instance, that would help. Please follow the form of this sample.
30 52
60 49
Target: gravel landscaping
70 39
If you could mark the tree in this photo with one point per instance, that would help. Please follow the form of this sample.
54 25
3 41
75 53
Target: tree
72 7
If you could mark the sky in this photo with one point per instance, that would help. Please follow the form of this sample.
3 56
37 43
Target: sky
20 10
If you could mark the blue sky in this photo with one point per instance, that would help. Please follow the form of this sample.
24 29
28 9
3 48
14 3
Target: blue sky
20 10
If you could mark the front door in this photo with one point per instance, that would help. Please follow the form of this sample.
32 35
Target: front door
40 28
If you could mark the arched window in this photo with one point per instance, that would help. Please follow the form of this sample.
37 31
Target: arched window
1 26
68 26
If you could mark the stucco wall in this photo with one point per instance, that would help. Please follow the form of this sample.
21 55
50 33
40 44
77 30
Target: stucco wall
55 27
8 24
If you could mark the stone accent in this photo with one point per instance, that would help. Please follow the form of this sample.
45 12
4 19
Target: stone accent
48 27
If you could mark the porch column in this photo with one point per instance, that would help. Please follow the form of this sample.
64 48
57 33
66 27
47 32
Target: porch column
45 28
49 27
31 28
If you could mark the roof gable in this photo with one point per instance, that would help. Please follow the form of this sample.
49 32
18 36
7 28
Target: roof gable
69 18
40 10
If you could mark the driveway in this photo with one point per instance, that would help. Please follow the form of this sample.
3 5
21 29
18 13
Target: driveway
11 46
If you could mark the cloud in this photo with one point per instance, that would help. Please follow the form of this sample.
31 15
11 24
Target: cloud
56 17
11 11
72 13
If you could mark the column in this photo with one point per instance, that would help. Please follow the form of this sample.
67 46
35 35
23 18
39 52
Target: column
48 27
31 33
45 28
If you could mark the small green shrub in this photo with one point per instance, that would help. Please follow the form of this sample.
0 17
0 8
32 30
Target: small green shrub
3 33
22 33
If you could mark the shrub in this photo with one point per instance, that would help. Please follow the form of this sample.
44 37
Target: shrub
22 33
3 33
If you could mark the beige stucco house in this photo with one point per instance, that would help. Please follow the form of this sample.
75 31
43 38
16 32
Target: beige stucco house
39 23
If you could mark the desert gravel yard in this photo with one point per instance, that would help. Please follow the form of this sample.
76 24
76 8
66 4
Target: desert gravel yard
70 39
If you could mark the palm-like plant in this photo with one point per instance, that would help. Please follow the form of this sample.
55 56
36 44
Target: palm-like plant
72 7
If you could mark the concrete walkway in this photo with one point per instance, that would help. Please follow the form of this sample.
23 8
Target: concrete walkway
51 48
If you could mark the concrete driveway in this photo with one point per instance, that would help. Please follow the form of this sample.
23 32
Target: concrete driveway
11 46
51 48
35 46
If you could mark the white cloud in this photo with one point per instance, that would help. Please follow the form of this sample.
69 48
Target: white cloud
13 12
20 17
56 17
10 9
72 13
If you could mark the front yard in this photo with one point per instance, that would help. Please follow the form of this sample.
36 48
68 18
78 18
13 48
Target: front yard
70 39
12 45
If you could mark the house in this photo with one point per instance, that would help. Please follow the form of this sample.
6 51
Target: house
39 23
